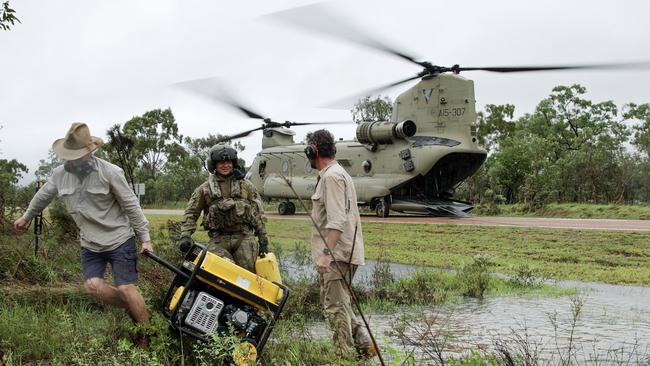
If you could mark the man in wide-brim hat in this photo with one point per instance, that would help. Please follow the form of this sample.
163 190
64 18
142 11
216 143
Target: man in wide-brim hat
108 215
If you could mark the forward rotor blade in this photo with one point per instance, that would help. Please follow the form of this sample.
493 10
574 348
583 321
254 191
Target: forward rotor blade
320 123
213 89
238 135
612 66
348 101
319 18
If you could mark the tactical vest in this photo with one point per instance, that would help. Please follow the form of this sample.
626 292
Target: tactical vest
235 214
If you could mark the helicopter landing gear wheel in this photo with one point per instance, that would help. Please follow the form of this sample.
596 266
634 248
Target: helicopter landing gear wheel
382 207
286 208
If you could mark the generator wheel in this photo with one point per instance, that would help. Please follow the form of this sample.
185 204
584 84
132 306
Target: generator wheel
245 354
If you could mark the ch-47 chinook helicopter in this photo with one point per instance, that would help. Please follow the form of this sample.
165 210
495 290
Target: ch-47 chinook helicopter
411 163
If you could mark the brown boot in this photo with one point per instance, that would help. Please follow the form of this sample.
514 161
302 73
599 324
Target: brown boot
141 341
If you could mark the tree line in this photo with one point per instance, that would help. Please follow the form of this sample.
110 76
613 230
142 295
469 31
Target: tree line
570 149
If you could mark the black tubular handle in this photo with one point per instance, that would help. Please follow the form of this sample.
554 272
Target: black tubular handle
165 264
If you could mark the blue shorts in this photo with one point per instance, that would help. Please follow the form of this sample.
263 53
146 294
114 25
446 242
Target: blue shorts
123 260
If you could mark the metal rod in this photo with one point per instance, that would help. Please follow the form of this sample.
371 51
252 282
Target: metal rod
165 264
347 283
38 223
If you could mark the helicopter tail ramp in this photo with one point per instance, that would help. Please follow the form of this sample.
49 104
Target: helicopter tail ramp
433 207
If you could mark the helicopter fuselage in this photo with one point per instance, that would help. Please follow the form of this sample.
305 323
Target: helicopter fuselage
410 164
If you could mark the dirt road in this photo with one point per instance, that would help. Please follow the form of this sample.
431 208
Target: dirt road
576 224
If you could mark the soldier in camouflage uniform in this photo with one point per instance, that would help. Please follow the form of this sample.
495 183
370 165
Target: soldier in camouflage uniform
232 211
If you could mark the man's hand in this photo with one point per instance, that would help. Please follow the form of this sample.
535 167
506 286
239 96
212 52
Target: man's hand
20 225
147 246
184 244
264 246
323 263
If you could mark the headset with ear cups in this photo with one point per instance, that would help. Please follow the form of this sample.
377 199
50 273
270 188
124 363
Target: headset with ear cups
311 151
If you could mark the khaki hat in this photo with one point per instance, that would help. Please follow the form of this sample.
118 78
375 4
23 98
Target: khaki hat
77 143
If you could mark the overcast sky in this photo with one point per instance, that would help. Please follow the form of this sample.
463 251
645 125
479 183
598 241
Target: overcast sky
105 62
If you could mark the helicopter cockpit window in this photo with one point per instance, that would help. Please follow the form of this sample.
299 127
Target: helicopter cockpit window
367 166
262 168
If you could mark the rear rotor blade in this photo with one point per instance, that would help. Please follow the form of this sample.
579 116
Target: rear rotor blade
319 18
214 89
612 66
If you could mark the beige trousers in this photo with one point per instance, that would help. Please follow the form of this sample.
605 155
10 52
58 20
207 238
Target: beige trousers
348 332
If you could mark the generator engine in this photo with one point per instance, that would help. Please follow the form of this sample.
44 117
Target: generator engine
211 295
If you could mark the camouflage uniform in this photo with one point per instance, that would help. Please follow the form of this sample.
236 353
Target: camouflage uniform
232 216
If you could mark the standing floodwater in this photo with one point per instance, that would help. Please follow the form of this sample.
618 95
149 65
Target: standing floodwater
612 324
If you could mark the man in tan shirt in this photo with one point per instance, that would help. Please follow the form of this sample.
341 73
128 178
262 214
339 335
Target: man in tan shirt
108 215
337 218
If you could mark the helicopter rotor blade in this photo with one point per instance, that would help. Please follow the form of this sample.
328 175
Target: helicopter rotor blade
349 100
320 18
507 69
288 124
214 89
238 135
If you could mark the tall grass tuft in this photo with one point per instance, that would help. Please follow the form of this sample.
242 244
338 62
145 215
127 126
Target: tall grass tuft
474 278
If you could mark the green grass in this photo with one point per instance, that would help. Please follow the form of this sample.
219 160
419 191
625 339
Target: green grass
552 210
45 318
589 255
579 211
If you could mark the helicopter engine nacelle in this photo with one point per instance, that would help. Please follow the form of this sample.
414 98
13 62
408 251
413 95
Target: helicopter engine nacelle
377 133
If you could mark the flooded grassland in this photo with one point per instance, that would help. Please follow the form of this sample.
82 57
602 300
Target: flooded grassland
438 294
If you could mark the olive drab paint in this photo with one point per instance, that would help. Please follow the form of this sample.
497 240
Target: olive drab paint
410 171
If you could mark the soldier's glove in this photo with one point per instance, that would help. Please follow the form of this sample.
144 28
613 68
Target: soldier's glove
264 246
185 243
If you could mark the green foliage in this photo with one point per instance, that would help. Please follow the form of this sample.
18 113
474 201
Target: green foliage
119 149
46 166
422 287
63 225
177 181
569 150
475 277
475 358
155 139
526 276
495 124
218 351
372 110
7 16
640 113
10 173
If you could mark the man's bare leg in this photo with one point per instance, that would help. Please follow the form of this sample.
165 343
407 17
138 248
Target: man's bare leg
102 292
134 303
125 296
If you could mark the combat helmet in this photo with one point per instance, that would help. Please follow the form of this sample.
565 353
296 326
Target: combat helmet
221 152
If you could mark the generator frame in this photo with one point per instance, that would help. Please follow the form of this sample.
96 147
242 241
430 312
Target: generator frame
188 279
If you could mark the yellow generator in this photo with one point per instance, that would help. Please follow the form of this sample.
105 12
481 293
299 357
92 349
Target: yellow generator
211 295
